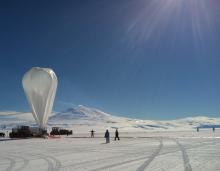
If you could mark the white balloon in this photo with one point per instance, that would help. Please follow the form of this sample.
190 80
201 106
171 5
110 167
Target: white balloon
40 86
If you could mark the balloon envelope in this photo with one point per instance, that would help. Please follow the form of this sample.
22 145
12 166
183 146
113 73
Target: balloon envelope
40 86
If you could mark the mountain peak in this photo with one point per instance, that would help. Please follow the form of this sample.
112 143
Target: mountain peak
81 112
83 117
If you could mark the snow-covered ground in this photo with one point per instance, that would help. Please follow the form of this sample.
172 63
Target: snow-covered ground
182 151
144 145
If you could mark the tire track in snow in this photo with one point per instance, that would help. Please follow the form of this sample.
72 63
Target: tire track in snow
12 163
188 148
110 158
57 163
118 164
133 160
50 160
12 160
186 163
187 166
133 153
123 162
25 163
152 157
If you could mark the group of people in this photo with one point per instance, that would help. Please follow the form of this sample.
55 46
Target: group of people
107 135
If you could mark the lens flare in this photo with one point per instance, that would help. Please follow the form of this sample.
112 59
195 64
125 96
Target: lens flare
154 18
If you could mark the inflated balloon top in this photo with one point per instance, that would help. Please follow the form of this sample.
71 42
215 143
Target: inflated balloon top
40 85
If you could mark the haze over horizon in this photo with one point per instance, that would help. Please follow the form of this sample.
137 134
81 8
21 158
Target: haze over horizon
135 58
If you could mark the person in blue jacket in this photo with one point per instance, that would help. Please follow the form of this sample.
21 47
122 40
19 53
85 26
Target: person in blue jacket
107 136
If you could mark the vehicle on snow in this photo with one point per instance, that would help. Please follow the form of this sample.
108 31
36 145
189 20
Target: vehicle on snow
2 134
26 131
60 131
21 132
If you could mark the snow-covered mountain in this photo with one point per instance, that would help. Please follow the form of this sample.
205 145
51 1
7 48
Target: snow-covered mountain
11 118
84 118
81 113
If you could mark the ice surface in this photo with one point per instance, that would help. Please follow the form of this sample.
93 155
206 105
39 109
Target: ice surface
169 151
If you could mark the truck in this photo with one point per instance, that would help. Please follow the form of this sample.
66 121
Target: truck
60 131
26 132
21 132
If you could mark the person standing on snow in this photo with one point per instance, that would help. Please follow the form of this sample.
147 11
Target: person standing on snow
92 133
213 129
107 136
117 135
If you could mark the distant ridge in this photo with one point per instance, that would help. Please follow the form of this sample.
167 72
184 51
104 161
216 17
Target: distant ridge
85 118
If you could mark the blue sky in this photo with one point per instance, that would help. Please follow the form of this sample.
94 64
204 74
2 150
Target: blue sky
137 58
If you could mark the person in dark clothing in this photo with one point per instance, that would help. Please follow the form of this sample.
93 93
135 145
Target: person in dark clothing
197 129
92 133
213 129
117 135
107 136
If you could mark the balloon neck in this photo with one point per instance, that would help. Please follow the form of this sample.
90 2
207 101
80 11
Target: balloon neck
43 131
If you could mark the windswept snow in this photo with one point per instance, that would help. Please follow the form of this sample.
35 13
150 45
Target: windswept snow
153 153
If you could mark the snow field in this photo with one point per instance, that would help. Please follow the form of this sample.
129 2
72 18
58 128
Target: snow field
182 153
